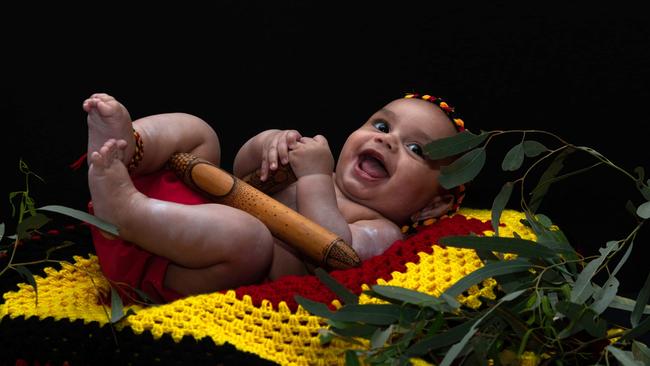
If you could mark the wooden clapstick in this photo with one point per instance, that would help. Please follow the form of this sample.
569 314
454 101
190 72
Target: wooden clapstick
311 239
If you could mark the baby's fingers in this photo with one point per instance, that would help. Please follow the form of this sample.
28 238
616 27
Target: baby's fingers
292 137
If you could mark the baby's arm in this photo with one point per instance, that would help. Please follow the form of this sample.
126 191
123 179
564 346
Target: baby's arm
313 163
373 237
265 151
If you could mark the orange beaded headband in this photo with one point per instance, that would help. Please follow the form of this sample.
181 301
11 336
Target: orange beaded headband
459 191
449 110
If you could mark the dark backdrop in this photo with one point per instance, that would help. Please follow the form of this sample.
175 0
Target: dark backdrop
247 67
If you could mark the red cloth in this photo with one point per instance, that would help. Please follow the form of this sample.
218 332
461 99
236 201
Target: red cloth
124 262
127 265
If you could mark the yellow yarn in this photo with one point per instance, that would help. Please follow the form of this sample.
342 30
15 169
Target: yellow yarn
276 334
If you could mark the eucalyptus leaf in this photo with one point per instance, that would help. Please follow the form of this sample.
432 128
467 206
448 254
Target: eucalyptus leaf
644 210
533 148
641 352
521 247
629 207
440 340
604 296
31 223
624 357
380 337
623 303
409 296
351 358
314 307
117 307
637 330
545 180
462 170
453 145
338 289
513 158
355 330
378 314
645 190
456 349
641 301
487 271
27 275
500 202
579 293
2 230
83 216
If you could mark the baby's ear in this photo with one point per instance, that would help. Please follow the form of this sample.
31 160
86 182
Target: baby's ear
440 205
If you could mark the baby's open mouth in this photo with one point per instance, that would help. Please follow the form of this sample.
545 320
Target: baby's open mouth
373 166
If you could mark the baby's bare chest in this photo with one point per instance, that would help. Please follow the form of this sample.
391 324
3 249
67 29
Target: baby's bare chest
351 210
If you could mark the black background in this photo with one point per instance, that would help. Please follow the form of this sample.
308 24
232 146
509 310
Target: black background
245 67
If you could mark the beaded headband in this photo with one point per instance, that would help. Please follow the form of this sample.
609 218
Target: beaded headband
420 218
449 110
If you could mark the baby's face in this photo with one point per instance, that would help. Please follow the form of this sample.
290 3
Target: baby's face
381 165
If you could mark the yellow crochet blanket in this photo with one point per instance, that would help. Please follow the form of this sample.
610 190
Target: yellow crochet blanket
274 332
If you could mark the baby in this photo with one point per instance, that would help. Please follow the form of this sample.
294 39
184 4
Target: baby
171 249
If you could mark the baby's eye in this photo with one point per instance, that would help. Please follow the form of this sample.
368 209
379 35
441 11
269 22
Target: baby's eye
415 148
381 126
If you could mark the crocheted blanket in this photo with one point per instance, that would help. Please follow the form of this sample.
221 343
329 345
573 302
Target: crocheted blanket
261 321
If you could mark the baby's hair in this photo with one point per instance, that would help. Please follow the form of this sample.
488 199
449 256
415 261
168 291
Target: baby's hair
458 191
444 106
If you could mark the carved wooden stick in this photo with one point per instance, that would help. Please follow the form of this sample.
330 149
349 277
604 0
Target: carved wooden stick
286 224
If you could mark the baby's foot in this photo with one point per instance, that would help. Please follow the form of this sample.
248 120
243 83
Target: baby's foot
111 189
108 119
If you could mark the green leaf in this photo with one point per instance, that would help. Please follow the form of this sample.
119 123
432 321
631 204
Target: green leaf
117 308
623 303
487 271
338 289
27 275
380 337
581 289
641 301
624 357
462 170
521 247
533 148
455 350
83 216
604 296
351 358
313 307
408 296
638 330
353 329
545 180
514 158
2 231
440 340
499 204
641 352
456 144
644 210
378 314
34 222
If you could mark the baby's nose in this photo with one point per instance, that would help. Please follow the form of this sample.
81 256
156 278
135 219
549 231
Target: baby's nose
385 140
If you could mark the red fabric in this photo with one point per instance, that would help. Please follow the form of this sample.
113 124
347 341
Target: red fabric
381 266
124 262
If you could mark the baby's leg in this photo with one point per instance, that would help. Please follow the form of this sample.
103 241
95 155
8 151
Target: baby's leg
221 245
162 134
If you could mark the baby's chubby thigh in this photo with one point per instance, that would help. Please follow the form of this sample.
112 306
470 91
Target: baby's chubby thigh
237 250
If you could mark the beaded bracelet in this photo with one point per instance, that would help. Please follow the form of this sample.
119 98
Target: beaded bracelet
139 152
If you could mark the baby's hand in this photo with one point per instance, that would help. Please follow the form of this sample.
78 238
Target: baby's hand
311 156
276 147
